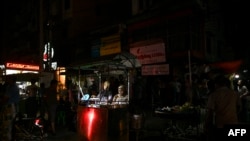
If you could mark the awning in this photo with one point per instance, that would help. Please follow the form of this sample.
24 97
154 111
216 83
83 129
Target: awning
122 61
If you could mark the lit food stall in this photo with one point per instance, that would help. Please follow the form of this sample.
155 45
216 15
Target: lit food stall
23 73
107 122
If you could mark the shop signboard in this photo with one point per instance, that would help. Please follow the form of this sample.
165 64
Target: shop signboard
10 65
150 54
162 69
111 48
110 45
48 52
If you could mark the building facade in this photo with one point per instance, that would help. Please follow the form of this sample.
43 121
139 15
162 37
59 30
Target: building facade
76 28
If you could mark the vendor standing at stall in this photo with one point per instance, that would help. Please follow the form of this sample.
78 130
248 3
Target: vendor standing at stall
105 95
121 97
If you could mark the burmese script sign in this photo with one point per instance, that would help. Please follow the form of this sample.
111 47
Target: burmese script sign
162 69
149 54
111 48
110 45
21 66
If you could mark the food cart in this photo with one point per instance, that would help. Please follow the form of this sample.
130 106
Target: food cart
106 122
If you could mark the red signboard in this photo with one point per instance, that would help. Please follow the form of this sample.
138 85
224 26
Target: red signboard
161 69
150 54
22 66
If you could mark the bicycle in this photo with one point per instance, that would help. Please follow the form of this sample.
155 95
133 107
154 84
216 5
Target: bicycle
28 129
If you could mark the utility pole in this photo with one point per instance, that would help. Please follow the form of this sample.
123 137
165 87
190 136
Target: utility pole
41 39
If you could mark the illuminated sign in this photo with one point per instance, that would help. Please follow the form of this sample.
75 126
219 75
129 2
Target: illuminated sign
22 66
48 53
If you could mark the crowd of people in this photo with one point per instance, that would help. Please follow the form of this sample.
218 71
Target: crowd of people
40 101
9 107
222 97
44 102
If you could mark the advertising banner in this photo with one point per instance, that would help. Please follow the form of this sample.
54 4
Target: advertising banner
162 69
150 54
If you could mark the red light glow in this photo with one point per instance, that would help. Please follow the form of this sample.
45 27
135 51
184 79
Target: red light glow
37 121
91 116
92 123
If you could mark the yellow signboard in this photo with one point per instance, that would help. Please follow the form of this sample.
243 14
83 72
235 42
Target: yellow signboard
111 48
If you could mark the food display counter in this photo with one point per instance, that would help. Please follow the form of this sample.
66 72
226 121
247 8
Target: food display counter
185 121
102 123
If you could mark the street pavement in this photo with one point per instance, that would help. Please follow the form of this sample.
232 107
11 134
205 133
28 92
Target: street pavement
155 125
63 134
152 130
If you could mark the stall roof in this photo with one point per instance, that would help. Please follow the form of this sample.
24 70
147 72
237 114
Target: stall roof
121 61
128 60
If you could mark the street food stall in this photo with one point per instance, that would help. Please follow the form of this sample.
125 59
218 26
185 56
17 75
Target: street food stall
104 121
97 120
186 121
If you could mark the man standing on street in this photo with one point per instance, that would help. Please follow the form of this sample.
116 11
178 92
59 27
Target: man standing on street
9 108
